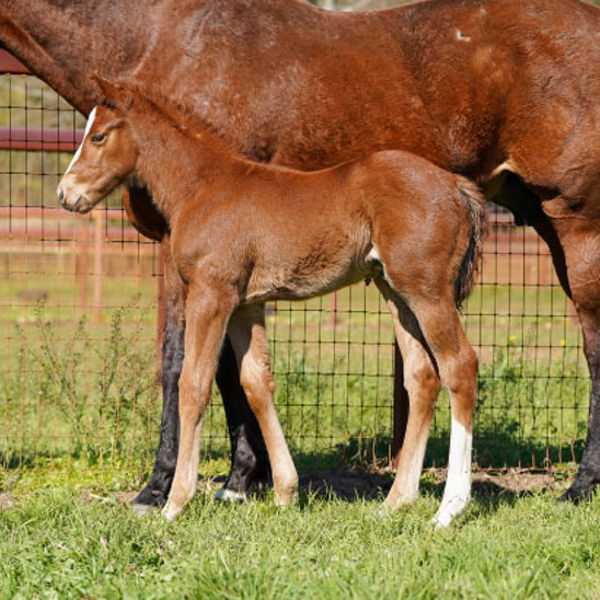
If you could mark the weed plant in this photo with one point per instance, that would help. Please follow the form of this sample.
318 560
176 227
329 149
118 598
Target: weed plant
78 399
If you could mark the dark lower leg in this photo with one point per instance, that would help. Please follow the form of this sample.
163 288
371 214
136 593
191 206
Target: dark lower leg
157 489
575 247
250 469
588 475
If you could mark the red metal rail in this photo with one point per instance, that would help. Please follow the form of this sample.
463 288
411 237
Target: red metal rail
33 138
10 65
40 139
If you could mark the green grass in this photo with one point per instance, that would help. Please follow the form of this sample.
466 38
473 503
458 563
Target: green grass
59 544
72 390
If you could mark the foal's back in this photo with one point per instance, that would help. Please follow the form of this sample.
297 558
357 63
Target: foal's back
293 235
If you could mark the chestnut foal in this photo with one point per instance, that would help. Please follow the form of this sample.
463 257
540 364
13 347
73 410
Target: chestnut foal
243 233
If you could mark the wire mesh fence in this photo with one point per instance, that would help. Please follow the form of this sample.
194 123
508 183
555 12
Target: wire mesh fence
79 306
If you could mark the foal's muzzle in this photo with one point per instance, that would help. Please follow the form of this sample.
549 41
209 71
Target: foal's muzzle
73 199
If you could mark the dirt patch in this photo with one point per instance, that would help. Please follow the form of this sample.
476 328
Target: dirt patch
353 484
517 482
359 484
6 500
349 485
346 485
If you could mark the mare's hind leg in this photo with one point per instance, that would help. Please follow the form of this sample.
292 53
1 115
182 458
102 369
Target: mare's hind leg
206 315
422 384
248 337
574 239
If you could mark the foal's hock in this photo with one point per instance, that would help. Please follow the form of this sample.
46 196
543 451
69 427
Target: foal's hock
244 233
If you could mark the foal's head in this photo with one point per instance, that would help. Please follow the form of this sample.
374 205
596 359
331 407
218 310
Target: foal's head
106 156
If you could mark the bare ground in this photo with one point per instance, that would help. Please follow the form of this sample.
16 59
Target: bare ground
352 484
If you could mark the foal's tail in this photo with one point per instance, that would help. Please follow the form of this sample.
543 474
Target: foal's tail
475 202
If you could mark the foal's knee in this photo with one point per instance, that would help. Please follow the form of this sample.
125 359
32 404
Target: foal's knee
193 398
422 384
258 383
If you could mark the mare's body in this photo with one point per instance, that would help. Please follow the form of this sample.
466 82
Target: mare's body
504 91
244 233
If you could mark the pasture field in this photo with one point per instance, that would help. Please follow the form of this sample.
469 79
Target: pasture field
79 422
73 391
58 542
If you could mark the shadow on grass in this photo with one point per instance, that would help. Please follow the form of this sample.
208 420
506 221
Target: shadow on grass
359 470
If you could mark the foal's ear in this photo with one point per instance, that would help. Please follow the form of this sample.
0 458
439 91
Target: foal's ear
115 94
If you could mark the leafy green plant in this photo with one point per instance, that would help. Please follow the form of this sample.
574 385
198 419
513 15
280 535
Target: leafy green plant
95 396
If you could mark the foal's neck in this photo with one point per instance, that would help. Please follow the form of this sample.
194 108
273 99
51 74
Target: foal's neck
175 162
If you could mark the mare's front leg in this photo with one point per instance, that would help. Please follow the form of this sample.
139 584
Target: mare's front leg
157 489
248 337
207 313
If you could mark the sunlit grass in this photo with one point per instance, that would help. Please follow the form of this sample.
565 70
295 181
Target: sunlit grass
57 543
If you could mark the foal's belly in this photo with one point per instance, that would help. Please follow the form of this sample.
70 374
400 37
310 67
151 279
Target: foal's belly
306 283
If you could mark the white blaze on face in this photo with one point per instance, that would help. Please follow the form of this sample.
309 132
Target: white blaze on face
88 126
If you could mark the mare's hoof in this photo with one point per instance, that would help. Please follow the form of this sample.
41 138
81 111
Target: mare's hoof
576 495
225 495
148 501
141 510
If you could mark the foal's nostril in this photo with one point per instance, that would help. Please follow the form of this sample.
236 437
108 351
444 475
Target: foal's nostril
61 196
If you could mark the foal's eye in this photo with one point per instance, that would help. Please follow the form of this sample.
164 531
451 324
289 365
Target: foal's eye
98 138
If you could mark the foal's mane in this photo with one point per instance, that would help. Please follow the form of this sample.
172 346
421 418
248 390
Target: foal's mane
125 95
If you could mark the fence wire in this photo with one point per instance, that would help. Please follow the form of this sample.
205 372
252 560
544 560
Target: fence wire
78 321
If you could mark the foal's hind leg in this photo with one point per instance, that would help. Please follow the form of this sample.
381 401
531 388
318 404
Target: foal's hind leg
248 337
422 384
457 365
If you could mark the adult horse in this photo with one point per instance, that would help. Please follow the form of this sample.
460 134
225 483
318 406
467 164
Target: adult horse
503 91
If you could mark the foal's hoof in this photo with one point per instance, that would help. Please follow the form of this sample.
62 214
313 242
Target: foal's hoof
440 522
448 511
170 513
284 500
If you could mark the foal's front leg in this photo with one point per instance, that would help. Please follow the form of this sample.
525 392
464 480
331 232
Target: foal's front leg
207 313
249 339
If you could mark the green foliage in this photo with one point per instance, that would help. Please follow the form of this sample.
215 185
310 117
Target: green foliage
93 395
56 544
